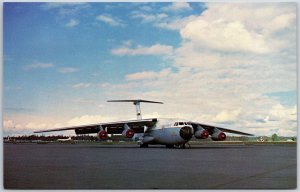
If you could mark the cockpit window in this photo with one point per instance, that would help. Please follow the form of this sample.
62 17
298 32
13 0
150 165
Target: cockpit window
181 123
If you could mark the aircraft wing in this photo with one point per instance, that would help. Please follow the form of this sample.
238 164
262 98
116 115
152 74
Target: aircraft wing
111 127
210 128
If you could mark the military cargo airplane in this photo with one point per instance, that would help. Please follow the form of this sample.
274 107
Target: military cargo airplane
169 132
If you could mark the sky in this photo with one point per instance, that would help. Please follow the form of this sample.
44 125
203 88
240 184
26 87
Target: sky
227 64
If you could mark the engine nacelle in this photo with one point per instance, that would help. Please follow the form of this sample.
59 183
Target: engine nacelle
129 133
201 133
102 135
218 135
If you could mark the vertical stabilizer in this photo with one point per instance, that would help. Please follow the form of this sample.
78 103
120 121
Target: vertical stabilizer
136 102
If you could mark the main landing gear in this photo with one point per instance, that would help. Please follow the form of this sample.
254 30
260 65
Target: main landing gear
170 146
178 146
181 146
143 145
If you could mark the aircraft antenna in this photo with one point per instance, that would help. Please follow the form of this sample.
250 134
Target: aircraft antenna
137 102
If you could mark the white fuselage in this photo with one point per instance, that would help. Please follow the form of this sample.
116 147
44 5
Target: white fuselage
168 132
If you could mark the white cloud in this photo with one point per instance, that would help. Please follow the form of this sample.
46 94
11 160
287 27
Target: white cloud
178 6
148 75
227 116
235 27
72 23
68 70
101 106
147 17
36 126
65 9
225 36
82 85
174 24
162 20
280 22
279 112
108 19
156 49
89 119
127 43
54 5
146 8
38 66
8 123
13 127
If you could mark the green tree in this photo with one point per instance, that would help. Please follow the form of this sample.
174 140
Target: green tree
275 137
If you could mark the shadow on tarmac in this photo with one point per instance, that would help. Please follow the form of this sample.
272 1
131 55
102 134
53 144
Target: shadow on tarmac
164 147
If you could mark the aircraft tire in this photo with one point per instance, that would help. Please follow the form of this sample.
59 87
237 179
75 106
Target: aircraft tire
143 145
180 146
170 146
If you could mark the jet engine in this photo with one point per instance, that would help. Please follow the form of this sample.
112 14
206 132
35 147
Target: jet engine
186 133
201 133
102 134
218 135
129 133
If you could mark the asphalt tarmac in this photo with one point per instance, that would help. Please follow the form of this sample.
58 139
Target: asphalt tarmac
94 166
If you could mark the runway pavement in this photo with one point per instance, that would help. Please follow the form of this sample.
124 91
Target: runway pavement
94 166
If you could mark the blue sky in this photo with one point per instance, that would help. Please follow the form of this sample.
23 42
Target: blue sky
62 61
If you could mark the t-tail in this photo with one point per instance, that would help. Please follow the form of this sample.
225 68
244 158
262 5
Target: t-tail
137 102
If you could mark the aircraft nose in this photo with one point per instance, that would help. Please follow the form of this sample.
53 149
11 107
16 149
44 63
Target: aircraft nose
186 133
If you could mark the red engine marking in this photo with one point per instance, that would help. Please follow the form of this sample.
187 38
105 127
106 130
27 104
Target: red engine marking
102 135
129 133
204 134
222 136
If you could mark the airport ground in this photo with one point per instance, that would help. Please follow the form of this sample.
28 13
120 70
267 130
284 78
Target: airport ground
126 166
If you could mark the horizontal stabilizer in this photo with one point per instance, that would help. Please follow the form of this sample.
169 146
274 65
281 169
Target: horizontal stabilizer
135 101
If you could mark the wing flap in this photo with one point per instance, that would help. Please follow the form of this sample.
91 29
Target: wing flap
234 132
111 127
94 128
